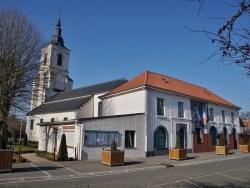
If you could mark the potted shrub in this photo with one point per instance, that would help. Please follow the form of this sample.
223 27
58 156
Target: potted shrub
63 152
113 156
244 147
178 153
222 149
6 156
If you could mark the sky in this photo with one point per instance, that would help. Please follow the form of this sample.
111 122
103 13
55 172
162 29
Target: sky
113 39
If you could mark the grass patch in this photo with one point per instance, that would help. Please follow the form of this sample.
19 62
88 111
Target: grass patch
31 148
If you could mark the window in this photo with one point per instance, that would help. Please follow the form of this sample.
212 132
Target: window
232 117
100 109
31 124
160 108
180 110
45 59
59 59
100 138
223 116
41 120
65 119
198 133
52 120
211 114
129 139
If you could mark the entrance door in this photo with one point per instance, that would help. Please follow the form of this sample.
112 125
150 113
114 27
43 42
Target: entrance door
234 138
182 137
214 135
160 138
225 135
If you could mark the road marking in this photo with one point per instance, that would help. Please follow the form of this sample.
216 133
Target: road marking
207 161
233 177
245 169
48 174
67 168
193 184
202 177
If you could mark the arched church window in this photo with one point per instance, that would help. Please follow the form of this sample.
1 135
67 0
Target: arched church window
59 59
45 59
52 120
65 119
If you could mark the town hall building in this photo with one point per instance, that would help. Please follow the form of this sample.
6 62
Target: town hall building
143 115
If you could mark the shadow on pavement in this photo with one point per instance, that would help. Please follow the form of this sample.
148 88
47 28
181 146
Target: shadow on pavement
133 162
34 169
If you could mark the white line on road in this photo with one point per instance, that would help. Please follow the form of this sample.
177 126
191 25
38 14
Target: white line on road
233 177
193 184
40 169
67 168
245 169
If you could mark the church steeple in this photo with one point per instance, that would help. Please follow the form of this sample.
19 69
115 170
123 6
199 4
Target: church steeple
53 76
57 37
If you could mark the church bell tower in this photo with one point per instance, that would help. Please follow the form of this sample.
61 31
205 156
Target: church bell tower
53 73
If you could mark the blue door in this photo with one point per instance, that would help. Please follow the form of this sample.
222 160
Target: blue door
160 138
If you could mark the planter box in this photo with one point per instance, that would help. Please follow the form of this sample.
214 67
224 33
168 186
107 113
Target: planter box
178 154
222 150
244 148
112 158
6 157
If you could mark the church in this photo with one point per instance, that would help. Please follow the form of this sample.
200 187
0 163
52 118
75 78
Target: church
143 115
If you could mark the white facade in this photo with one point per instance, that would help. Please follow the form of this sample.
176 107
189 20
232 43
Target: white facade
133 123
145 101
134 112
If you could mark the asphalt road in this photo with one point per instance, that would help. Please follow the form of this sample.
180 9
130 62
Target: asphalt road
226 173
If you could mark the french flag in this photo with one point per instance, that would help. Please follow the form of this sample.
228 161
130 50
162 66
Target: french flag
204 115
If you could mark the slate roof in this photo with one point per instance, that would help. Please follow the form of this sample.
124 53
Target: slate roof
73 99
173 85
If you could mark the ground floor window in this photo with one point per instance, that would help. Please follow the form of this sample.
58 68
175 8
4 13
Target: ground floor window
129 139
100 138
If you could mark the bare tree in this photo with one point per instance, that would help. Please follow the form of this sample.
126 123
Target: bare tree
20 44
233 38
14 126
245 115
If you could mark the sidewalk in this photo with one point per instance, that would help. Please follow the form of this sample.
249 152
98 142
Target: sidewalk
33 158
140 163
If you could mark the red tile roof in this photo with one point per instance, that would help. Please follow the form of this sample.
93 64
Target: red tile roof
173 85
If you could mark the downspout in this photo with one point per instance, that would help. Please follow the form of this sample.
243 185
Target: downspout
146 123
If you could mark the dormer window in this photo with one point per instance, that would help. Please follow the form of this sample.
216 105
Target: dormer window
59 59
